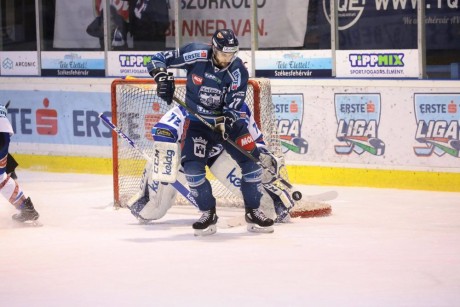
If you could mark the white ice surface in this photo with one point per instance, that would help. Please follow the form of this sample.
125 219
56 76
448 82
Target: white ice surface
380 247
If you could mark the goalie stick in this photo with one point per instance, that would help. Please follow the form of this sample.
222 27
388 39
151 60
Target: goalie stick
324 196
177 185
296 195
320 197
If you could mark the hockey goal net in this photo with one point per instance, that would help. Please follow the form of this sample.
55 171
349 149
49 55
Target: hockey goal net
136 109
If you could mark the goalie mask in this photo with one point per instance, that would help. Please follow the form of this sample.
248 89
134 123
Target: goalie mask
224 47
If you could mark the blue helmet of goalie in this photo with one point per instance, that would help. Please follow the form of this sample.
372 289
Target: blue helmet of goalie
224 47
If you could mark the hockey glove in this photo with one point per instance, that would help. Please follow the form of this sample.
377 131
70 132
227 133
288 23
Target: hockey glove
272 162
165 84
225 122
232 116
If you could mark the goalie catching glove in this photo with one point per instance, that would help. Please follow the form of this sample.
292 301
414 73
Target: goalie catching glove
165 82
272 162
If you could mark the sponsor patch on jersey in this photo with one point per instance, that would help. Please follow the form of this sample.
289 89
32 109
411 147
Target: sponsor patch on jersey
246 142
193 55
236 79
202 110
162 132
212 77
197 80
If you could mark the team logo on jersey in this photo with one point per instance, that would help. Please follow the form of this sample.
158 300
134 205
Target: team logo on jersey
197 80
289 117
246 142
194 55
358 117
199 146
210 97
438 124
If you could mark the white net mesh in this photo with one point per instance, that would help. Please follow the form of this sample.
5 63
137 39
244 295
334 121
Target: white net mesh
136 109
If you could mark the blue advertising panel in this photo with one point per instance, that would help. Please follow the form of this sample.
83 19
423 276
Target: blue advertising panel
58 117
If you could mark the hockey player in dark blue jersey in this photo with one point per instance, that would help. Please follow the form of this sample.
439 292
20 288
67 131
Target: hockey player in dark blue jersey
216 87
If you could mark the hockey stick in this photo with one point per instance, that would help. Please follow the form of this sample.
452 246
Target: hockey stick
177 185
296 195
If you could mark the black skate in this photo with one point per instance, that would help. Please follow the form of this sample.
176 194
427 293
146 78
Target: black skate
258 222
206 225
27 213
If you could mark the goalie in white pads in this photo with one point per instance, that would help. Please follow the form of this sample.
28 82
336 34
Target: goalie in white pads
9 188
155 196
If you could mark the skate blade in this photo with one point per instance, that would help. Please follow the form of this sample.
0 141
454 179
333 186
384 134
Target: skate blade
257 229
143 221
206 232
34 223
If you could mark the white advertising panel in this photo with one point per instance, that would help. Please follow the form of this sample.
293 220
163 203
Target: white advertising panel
128 63
377 63
294 64
134 63
377 124
73 64
19 63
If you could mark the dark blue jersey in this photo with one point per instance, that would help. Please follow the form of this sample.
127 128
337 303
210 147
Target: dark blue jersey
209 89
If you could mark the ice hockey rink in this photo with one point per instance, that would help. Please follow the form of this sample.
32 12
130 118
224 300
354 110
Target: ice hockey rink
380 247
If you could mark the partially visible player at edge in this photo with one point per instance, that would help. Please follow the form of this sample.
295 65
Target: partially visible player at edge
216 87
9 188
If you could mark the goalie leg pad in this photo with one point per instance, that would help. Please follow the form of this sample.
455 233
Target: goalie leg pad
267 206
282 201
228 173
142 191
154 199
161 197
165 161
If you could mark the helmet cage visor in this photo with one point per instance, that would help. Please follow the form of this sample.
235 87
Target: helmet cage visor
224 58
